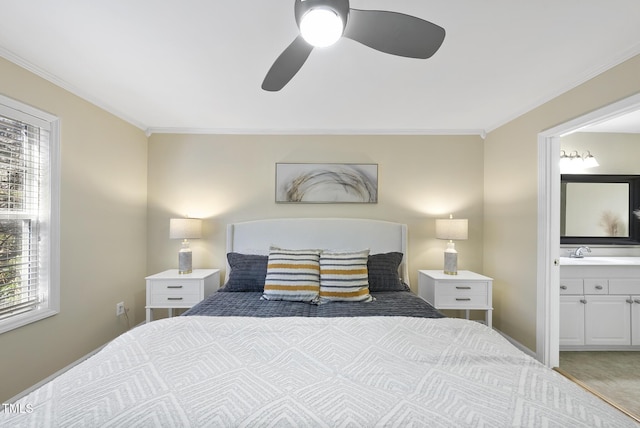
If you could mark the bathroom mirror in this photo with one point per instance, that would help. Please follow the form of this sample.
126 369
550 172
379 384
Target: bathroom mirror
599 209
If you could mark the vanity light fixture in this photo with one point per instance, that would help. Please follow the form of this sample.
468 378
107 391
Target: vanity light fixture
185 229
589 160
573 161
564 160
452 229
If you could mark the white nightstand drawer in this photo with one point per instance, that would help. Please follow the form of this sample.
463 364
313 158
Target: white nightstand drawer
466 291
571 286
170 289
175 287
463 301
175 300
462 289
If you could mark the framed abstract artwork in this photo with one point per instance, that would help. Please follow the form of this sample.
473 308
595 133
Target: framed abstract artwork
324 183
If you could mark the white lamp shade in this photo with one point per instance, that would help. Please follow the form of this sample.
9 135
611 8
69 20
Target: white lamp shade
185 228
452 228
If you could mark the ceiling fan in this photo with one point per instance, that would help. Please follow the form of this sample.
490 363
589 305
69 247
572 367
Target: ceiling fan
324 22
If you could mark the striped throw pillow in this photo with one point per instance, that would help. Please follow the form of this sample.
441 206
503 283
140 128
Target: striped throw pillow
344 277
292 275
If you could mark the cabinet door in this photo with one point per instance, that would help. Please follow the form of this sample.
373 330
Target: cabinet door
571 320
607 320
635 321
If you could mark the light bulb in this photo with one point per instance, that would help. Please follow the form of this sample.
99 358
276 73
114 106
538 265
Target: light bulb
321 27
564 160
590 161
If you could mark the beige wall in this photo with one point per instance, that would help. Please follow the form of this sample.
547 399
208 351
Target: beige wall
616 153
103 234
231 178
511 195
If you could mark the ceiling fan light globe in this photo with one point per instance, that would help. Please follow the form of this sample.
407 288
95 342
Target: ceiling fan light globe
321 27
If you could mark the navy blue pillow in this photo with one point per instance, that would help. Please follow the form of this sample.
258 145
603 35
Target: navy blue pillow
248 272
383 272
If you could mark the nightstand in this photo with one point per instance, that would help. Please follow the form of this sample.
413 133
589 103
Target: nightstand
467 290
171 290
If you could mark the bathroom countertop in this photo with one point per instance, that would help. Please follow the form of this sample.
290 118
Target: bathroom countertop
600 261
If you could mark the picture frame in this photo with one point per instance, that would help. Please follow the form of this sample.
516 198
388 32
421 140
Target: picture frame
326 183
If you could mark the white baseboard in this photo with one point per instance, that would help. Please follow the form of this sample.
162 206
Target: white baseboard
517 344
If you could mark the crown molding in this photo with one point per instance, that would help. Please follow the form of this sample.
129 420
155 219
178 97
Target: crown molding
311 131
52 78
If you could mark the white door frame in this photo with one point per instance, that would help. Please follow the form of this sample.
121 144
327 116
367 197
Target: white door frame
548 296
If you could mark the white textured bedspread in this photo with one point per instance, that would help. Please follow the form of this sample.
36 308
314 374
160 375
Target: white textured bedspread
311 372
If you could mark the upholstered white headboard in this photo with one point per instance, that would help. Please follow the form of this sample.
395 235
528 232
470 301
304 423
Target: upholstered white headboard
255 237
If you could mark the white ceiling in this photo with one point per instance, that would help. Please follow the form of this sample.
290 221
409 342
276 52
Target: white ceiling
197 65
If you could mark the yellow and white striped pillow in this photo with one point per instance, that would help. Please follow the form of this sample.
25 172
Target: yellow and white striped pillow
292 275
344 277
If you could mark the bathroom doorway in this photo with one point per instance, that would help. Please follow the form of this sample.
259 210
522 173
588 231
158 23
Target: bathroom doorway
614 150
549 249
548 255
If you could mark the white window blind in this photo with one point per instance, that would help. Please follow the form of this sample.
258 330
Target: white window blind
28 276
19 208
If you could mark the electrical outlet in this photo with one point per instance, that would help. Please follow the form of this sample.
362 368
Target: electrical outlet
119 309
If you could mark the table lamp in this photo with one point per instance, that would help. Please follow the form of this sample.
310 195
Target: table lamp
185 229
451 229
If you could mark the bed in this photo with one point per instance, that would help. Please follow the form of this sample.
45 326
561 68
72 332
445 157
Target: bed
277 356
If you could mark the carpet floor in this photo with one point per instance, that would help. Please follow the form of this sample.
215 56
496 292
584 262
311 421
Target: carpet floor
614 375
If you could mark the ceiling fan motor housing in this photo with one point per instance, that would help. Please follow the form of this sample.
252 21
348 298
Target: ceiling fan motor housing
340 7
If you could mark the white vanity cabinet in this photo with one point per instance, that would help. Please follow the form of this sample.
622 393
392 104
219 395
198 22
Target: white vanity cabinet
599 307
607 321
635 321
572 321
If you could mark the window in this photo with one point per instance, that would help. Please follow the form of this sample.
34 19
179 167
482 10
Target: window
29 225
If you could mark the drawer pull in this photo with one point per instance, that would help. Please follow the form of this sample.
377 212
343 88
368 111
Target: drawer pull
462 288
174 298
583 301
463 299
563 287
637 300
629 301
598 287
174 286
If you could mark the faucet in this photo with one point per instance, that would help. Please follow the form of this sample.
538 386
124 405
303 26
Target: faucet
578 252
